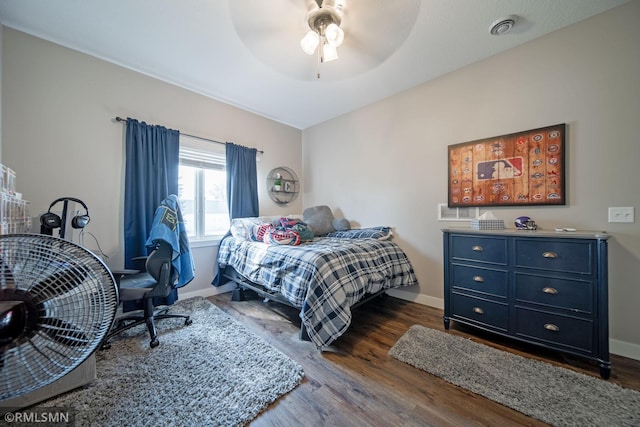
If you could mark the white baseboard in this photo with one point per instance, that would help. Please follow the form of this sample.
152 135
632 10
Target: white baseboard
625 349
621 348
418 298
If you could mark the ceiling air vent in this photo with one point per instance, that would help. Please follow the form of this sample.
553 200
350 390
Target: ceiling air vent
503 25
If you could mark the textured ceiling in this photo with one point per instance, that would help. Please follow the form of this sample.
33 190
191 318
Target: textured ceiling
246 52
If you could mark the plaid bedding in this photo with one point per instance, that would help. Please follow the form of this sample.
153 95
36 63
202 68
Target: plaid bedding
323 278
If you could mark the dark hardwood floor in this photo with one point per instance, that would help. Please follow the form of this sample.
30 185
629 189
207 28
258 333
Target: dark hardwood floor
355 382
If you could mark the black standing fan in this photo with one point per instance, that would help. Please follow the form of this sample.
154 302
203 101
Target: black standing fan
57 302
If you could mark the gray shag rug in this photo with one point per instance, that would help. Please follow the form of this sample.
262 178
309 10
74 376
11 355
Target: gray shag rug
552 394
214 372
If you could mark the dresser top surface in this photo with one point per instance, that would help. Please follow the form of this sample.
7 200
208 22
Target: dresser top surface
578 234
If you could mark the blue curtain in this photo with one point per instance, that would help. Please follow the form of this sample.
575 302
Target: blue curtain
242 188
242 181
151 175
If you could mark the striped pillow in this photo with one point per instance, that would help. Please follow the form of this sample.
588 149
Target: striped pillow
258 231
282 237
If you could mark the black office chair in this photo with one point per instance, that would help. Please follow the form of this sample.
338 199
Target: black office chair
157 281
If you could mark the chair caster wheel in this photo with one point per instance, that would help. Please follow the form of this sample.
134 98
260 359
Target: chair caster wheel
187 322
105 346
154 343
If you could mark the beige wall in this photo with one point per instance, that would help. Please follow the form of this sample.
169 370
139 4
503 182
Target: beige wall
61 139
388 161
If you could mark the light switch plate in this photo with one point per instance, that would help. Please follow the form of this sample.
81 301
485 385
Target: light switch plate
622 214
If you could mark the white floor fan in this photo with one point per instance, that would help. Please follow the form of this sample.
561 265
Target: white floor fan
57 303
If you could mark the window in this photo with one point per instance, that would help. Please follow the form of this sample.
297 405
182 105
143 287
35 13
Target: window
203 189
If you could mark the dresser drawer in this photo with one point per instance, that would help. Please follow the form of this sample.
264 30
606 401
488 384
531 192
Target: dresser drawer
554 255
479 279
479 249
575 295
555 329
479 310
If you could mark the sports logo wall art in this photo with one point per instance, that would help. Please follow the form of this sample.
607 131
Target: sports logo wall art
523 168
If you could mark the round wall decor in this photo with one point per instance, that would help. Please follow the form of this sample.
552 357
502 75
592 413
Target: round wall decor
283 185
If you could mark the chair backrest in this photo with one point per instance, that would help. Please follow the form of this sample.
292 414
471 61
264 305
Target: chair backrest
160 256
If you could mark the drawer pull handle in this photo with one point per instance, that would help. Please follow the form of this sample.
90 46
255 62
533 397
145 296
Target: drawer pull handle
478 310
479 279
549 255
477 249
551 327
552 291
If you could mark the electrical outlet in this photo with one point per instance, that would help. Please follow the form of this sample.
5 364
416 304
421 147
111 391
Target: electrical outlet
621 214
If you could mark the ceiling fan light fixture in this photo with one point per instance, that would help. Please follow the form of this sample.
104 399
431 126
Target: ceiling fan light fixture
334 35
310 42
324 20
329 52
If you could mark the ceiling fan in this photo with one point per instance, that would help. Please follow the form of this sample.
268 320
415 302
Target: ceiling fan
373 31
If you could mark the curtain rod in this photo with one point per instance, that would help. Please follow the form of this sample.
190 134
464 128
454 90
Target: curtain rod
120 119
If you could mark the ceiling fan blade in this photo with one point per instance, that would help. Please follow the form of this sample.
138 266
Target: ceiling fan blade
380 27
64 332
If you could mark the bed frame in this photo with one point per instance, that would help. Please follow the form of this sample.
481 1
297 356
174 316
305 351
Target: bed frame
243 284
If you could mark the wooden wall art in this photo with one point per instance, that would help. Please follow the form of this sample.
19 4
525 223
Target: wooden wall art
524 168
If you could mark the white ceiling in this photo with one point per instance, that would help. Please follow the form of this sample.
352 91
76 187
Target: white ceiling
195 44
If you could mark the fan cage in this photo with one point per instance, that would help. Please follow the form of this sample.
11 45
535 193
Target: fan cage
73 298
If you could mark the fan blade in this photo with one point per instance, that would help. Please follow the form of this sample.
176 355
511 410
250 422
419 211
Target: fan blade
13 321
56 284
64 332
6 275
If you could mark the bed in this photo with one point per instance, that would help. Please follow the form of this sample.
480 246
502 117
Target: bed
324 277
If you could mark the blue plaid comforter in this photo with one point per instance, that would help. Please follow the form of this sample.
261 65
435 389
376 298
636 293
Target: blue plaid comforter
323 278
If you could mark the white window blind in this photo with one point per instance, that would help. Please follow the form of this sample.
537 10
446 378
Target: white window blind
199 158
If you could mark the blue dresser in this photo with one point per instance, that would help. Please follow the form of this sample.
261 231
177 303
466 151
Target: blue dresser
544 288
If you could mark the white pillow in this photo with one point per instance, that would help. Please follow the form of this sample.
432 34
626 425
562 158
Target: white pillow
241 227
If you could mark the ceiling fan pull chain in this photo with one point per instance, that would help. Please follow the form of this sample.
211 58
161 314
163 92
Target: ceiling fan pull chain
319 61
